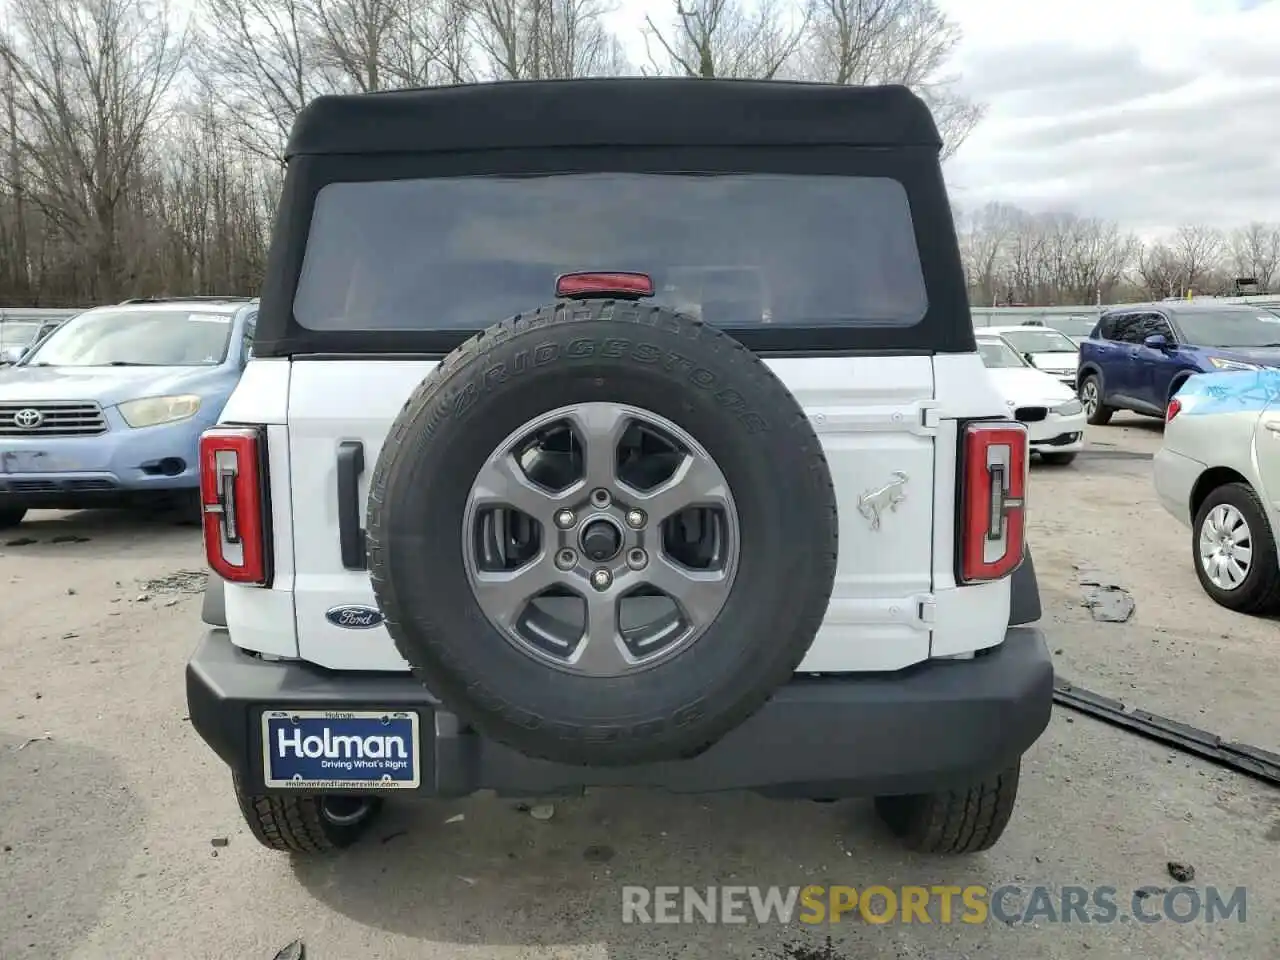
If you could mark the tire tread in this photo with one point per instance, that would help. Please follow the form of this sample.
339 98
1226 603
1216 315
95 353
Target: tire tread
955 821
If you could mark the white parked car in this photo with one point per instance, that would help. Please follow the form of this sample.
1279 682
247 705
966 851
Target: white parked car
1043 348
1053 415
1218 471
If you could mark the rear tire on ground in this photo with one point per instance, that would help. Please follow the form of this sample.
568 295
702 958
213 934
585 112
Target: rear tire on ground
621 356
306 824
1259 591
1098 414
11 516
1058 459
964 820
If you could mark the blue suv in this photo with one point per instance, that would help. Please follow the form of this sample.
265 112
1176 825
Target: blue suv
1139 355
108 409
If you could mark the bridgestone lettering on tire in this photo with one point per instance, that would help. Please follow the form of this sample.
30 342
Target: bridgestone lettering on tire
678 378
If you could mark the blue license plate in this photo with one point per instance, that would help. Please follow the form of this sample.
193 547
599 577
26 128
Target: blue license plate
340 750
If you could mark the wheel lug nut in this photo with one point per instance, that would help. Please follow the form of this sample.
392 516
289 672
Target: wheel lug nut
635 519
637 559
601 579
601 497
566 559
564 519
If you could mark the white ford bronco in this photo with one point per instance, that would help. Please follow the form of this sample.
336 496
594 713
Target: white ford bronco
617 433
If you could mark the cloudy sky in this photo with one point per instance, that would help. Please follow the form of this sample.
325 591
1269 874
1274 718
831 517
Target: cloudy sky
1150 112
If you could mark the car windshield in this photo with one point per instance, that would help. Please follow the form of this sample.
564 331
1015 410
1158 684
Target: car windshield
1230 328
1077 328
997 353
736 250
1039 340
126 338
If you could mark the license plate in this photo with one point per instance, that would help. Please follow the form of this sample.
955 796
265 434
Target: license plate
35 461
340 750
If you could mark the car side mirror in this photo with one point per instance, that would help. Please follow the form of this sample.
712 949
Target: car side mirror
13 354
1156 341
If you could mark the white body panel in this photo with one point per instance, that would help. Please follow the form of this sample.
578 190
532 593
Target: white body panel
1026 387
875 416
1266 446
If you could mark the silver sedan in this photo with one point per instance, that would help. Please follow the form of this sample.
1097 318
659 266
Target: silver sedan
1218 471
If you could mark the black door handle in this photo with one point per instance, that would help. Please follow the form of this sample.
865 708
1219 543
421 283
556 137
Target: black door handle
350 533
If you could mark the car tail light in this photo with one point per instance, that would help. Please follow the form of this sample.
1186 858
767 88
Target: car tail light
1175 406
624 286
233 486
993 500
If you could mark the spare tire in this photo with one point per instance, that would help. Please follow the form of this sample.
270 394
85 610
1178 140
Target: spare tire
602 533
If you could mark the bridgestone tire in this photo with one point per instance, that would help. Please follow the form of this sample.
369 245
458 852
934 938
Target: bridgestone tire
962 820
648 357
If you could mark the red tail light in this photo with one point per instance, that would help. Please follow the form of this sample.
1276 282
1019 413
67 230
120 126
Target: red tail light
233 500
1175 405
993 498
624 286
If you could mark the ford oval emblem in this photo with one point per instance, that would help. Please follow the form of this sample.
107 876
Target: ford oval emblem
353 617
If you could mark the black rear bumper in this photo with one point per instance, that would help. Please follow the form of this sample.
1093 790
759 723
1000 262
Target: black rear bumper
942 722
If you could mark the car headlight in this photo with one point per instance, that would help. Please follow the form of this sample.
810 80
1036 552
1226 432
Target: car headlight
1068 409
1232 364
150 411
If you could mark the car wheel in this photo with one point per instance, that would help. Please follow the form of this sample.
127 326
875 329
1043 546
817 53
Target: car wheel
965 819
1058 459
1234 551
11 516
646 550
1091 398
306 824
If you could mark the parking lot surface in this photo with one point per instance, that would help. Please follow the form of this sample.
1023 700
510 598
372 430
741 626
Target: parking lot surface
110 804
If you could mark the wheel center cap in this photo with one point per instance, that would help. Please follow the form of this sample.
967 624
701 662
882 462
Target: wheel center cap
601 540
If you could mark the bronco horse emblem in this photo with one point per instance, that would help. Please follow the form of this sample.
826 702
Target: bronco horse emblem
874 503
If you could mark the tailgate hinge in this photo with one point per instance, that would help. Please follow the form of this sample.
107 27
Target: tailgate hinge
926 611
929 418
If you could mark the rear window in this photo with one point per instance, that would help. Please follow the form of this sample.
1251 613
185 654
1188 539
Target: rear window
737 250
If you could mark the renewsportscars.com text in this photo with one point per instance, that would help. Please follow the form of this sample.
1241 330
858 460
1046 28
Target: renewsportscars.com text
974 904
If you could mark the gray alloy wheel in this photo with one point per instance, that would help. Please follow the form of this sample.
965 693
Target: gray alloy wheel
612 588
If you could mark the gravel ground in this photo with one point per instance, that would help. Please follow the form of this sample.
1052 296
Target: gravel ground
106 826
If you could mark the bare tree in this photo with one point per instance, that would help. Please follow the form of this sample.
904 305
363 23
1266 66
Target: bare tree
893 41
1197 251
725 38
1255 253
15 264
1159 271
544 39
984 237
1086 258
378 44
354 37
90 79
261 61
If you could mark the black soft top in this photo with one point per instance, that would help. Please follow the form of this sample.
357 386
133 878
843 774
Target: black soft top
613 112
